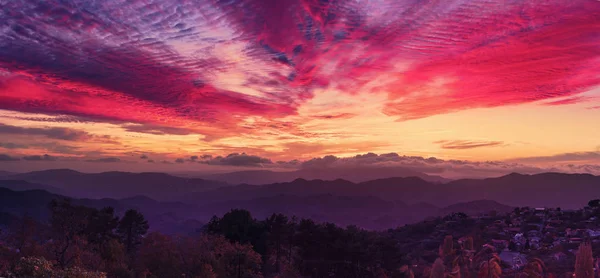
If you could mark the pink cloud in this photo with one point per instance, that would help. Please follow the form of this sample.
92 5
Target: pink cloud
157 63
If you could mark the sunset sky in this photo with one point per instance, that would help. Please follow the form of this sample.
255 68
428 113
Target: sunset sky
219 85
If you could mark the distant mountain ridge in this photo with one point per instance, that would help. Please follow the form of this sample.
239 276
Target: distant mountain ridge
353 174
21 185
34 203
158 186
546 189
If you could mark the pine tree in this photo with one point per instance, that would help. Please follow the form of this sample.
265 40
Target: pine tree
438 270
469 243
131 228
584 263
448 245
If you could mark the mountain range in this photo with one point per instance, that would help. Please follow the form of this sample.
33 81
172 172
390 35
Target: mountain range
567 191
353 174
158 186
172 201
177 217
546 189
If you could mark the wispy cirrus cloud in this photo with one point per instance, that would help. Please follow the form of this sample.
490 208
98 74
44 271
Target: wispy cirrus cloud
570 100
467 144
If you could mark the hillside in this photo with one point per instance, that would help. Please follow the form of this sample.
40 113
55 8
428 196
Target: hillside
165 217
158 186
173 217
21 185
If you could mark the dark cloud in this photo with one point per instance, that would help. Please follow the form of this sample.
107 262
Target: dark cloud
44 157
13 146
57 147
193 157
155 129
320 162
431 165
467 144
334 116
105 160
562 158
5 157
60 133
144 156
236 159
150 161
179 160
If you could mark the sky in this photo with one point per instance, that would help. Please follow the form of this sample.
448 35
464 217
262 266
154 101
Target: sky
218 85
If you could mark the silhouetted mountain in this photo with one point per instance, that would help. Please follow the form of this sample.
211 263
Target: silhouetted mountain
547 189
6 173
159 186
542 190
391 189
21 185
355 174
172 217
167 217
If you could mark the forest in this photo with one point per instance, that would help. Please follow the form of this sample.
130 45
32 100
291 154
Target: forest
79 241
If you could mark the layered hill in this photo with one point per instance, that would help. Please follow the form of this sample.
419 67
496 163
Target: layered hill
158 186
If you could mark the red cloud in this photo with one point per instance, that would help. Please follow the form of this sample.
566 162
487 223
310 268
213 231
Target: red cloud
158 62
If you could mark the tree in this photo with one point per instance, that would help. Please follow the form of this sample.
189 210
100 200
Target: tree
25 235
277 228
584 262
239 226
438 270
594 203
132 227
469 243
236 225
101 225
447 247
68 224
159 256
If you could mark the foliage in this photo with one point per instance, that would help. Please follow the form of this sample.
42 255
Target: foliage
40 267
131 228
584 264
33 267
88 242
594 203
438 269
